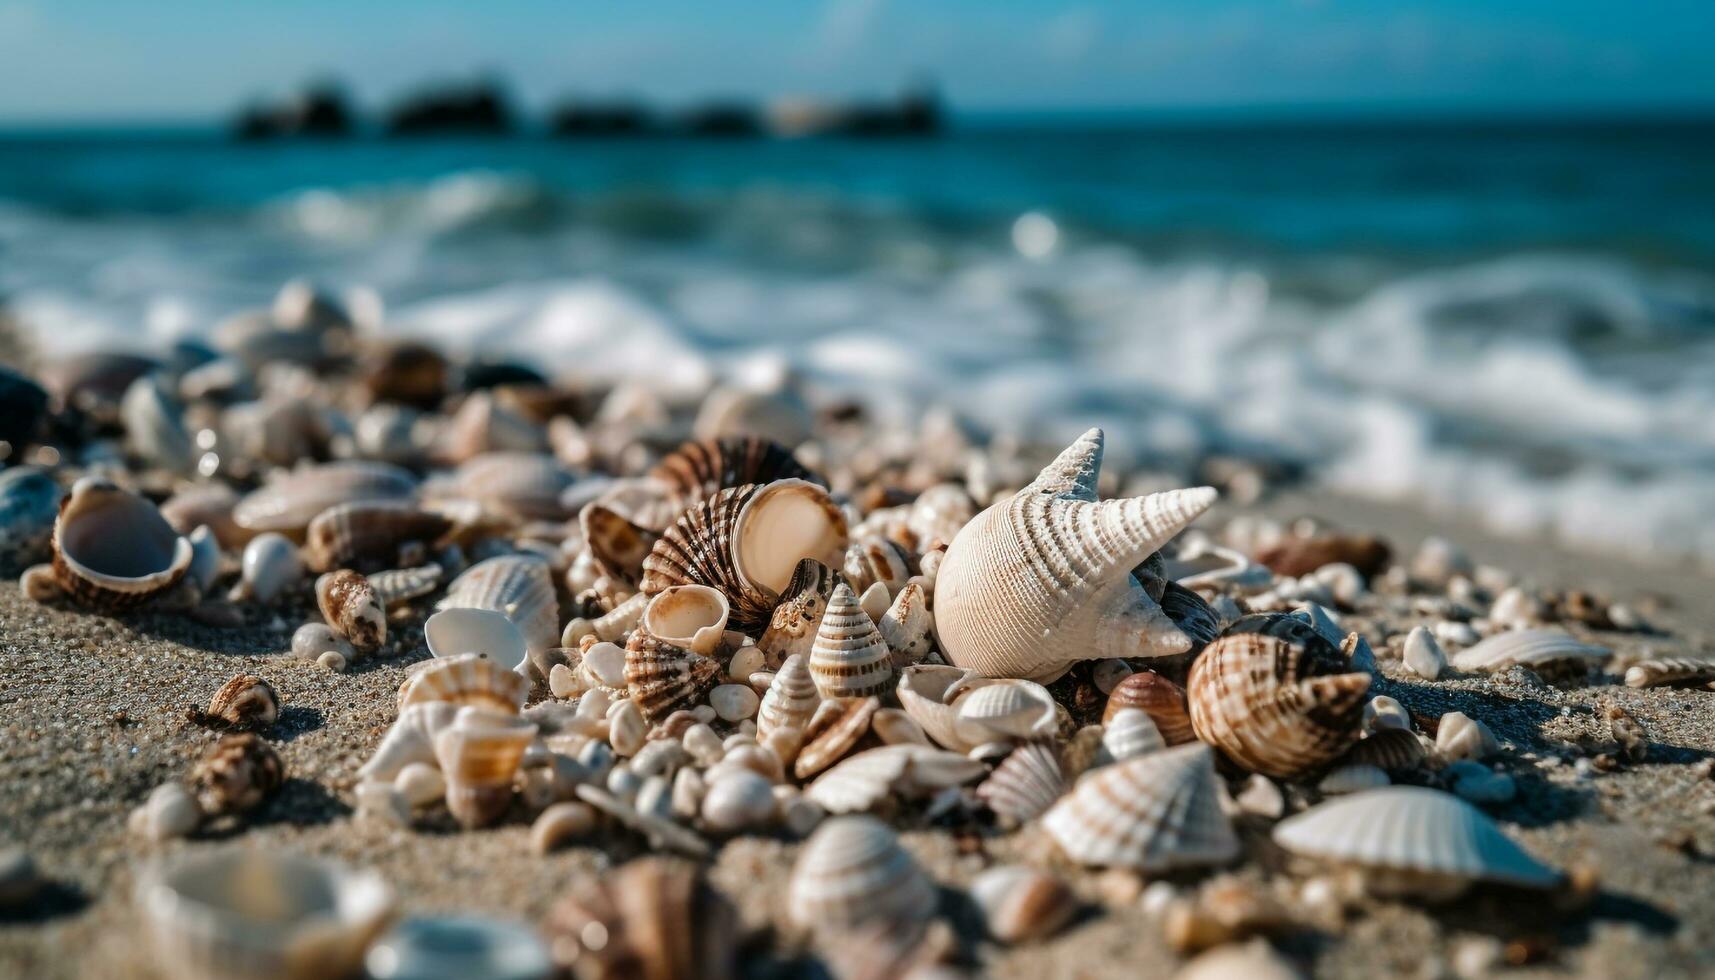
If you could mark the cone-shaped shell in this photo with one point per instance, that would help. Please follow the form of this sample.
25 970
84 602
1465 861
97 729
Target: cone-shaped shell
1415 831
112 550
484 632
1160 698
907 627
1042 580
366 536
1025 784
653 919
1155 813
289 503
465 680
852 872
349 603
1274 706
479 754
663 678
792 626
520 587
791 699
1530 648
849 658
697 470
689 616
617 545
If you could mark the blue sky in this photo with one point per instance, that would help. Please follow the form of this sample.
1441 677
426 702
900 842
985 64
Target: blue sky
186 59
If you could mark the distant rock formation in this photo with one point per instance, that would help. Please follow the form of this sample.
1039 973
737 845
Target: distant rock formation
722 119
474 109
318 111
578 117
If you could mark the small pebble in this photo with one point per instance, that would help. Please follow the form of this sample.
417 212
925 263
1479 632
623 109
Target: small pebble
1459 736
738 799
734 702
1383 712
420 783
333 660
1423 655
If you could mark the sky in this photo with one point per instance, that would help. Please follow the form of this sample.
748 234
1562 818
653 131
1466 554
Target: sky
122 60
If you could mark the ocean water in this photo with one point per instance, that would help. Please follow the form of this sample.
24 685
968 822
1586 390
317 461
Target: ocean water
1512 322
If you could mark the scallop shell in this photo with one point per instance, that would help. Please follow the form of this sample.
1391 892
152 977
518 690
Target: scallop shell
924 694
699 470
29 503
1025 784
791 699
689 616
852 872
663 677
653 919
350 606
401 585
1272 705
465 680
793 623
1022 904
1155 813
289 503
519 586
907 627
833 730
860 782
236 774
1004 709
1128 734
255 913
1532 648
617 545
410 739
488 634
873 560
367 535
1678 671
1425 838
1160 698
520 486
849 658
1043 580
112 550
479 755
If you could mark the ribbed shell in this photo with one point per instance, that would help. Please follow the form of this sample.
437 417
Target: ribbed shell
792 625
465 680
1043 580
1683 671
791 699
864 780
484 632
400 585
849 658
697 470
1129 734
245 703
521 486
663 678
519 586
1026 783
1154 813
872 560
1160 698
1392 749
112 550
366 536
1409 828
617 545
479 754
923 692
1273 706
349 604
1005 709
907 627
653 919
1530 648
852 872
834 729
289 503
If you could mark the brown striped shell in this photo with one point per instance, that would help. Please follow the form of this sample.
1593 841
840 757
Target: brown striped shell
366 535
653 919
1158 697
697 470
792 625
520 587
349 604
112 550
791 699
849 659
871 560
834 730
663 678
617 545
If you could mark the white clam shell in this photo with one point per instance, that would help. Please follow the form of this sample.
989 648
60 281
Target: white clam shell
852 872
1530 648
519 586
1004 709
1154 813
452 632
1025 784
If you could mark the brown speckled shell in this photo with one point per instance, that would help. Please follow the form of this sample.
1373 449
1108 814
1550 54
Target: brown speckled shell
349 604
792 626
618 546
663 678
236 775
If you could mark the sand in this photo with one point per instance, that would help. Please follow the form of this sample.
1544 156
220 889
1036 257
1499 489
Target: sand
92 717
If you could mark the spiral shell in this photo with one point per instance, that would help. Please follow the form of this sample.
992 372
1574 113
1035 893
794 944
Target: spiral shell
245 703
793 623
289 503
237 774
348 603
698 470
366 536
520 587
938 513
1025 784
663 678
465 680
907 627
873 560
853 872
112 550
1155 813
479 755
791 699
849 658
653 919
1042 580
1160 698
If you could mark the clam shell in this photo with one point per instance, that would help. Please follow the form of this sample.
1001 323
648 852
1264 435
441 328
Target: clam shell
907 627
1532 648
617 545
465 680
350 606
112 550
1128 734
1025 784
1683 671
792 625
689 616
834 729
924 694
1160 698
401 585
663 677
255 913
791 699
478 755
269 566
698 470
519 586
1022 904
1042 580
852 872
652 919
1282 707
288 504
29 503
876 560
1155 813
367 535
1424 833
860 782
849 659
1004 709
522 486
488 634
410 739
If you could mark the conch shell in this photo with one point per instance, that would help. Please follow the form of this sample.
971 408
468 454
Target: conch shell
1042 580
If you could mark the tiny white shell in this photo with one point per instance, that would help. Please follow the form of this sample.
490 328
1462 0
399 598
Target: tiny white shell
1127 735
1001 709
1423 655
488 634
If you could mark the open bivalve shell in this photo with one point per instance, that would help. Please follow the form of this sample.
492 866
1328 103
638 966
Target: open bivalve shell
997 710
465 679
1154 813
927 693
852 872
520 587
479 754
1536 649
488 634
1411 840
849 659
689 616
112 550
617 545
793 623
1043 580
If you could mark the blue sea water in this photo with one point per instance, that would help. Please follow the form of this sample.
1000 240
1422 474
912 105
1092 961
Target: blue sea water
1515 320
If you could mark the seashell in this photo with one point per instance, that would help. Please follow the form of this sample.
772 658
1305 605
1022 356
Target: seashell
169 812
833 730
774 410
481 425
993 711
791 699
661 832
350 606
479 754
397 586
411 739
1352 777
488 634
938 513
560 823
652 919
1459 736
420 783
260 914
1411 840
876 560
465 680
1194 617
849 659
1020 904
736 800
236 774
624 618
793 623
1674 671
874 601
907 627
245 703
852 872
1423 655
866 779
663 678
288 504
205 558
311 640
29 504
1155 813
1160 698
1391 749
1025 784
617 545
112 550
521 587
367 535
1042 580
1536 649
269 567
1273 705
1127 735
924 692
894 727
521 486
203 503
689 616
1210 566
39 584
699 470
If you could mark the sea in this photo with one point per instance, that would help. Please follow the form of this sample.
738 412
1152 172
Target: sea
1510 320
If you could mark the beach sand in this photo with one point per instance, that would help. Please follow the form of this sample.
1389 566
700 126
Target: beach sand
92 717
